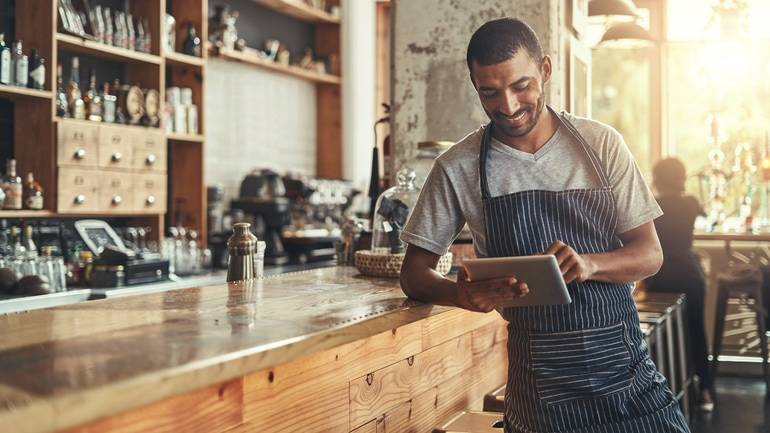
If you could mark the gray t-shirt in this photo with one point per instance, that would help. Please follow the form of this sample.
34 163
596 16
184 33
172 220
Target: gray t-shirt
451 195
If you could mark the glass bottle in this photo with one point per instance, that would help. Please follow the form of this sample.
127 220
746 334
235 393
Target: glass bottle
109 104
139 35
12 187
45 267
74 97
36 71
33 193
130 32
92 99
5 61
29 242
108 27
147 36
62 107
21 65
192 45
85 267
392 210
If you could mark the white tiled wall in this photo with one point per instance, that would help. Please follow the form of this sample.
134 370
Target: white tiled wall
256 118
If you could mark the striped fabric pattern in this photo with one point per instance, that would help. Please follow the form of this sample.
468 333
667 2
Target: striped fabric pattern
582 367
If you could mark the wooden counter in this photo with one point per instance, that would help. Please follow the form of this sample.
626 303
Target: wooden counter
322 350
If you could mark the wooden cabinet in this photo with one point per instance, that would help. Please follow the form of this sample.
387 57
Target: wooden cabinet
149 193
149 151
78 191
116 148
78 144
115 192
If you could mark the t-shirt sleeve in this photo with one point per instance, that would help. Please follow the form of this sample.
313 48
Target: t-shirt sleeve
635 203
437 218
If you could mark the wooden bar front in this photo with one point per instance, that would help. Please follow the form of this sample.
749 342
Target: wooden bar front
323 350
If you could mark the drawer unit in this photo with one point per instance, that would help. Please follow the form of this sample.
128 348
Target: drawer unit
149 193
149 150
115 191
115 147
78 190
77 143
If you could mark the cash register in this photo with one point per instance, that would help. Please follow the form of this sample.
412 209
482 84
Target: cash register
138 267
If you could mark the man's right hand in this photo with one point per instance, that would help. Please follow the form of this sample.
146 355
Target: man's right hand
485 295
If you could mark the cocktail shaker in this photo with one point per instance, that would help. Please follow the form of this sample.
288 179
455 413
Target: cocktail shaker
241 247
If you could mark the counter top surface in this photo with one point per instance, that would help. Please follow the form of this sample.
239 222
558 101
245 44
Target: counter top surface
118 354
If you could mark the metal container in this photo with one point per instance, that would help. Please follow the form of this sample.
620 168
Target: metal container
241 247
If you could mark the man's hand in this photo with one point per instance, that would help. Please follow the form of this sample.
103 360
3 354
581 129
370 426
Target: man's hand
574 267
485 295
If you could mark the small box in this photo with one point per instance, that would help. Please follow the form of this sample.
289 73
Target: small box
180 119
192 119
173 96
186 96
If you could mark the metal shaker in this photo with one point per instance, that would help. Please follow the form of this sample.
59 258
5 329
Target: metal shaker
241 247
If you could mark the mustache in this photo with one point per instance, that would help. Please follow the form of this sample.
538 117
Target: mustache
502 116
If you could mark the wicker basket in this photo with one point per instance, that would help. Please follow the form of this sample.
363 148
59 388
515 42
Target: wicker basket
389 265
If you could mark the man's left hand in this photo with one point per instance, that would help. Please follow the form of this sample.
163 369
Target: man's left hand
574 267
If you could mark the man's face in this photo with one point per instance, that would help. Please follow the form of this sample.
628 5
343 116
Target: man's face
511 92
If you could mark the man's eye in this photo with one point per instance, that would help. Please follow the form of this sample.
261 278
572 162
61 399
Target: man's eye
488 94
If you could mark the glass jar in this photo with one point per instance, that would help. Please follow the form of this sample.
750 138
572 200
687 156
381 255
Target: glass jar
392 210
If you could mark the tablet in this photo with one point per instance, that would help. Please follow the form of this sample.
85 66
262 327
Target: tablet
541 273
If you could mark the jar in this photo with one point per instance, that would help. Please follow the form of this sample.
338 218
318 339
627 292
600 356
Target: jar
391 213
427 152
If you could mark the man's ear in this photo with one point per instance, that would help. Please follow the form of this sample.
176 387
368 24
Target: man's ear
545 68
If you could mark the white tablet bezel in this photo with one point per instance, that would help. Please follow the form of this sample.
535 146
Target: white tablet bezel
540 272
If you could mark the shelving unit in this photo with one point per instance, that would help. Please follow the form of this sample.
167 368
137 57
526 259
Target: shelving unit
192 138
15 93
25 214
80 45
294 71
300 10
182 59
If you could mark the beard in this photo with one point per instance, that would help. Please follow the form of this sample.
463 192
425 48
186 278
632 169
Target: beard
518 128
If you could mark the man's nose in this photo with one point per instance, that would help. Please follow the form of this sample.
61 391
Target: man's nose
510 104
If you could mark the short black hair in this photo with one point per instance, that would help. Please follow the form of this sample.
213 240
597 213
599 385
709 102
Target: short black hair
670 174
499 40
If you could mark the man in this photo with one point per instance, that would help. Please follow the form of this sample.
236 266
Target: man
536 182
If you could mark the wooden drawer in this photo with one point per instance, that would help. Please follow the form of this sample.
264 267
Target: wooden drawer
115 191
115 147
77 143
150 193
78 190
150 150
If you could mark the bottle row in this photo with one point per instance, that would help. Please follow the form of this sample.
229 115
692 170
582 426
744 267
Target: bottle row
119 103
15 194
24 271
18 69
117 28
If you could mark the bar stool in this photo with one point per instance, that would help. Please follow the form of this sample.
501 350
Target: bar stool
472 422
495 400
744 282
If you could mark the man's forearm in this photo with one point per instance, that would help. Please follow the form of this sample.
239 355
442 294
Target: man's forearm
632 262
427 285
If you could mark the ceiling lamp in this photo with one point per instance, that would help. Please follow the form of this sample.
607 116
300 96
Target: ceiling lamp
614 8
627 35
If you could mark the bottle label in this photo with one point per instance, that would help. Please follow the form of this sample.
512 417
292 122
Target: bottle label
37 76
34 202
21 71
5 66
12 196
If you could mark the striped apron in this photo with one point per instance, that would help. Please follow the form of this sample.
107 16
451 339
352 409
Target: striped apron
582 367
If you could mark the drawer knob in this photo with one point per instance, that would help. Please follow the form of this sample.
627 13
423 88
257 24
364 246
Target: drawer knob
80 153
150 200
80 199
150 159
117 156
116 200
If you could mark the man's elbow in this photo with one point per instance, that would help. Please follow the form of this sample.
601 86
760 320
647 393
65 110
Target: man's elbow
656 260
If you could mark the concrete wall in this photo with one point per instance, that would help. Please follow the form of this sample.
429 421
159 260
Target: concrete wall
256 118
432 96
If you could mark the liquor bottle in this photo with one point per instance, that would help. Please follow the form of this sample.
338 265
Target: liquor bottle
33 193
131 34
110 103
62 107
74 97
93 100
108 27
21 65
19 252
36 71
147 36
29 243
192 45
5 61
139 35
12 187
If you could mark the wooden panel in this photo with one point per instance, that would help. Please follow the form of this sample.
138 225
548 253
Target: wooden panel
298 9
78 190
149 193
212 409
34 145
370 427
116 192
384 389
185 12
444 327
116 147
149 150
329 132
187 196
322 402
35 24
153 10
77 143
76 44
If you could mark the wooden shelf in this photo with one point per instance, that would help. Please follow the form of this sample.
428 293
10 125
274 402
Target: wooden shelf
14 93
25 213
84 46
300 10
194 138
182 59
276 67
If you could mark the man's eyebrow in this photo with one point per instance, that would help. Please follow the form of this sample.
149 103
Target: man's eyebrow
515 83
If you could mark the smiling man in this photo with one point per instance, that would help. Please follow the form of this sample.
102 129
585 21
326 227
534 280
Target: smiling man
534 181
